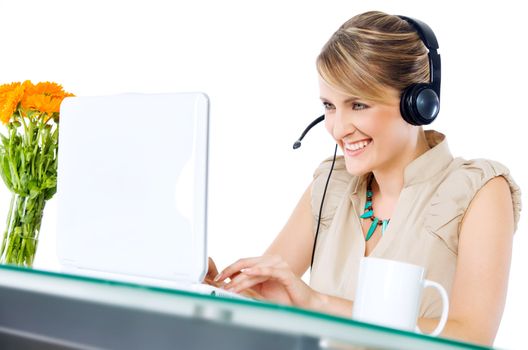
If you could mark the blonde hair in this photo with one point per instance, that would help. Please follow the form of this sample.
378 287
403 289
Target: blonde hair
371 52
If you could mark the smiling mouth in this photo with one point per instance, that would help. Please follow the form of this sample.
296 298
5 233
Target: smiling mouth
355 146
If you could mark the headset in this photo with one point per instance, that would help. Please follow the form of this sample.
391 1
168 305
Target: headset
419 103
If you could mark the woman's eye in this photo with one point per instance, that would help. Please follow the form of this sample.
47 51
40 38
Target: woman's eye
358 106
328 106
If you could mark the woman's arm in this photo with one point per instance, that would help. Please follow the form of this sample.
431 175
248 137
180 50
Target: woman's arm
481 279
294 242
291 251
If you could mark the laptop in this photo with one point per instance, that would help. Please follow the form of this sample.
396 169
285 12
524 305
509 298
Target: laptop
132 189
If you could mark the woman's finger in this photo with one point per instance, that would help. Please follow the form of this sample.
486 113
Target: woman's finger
245 283
260 261
234 279
236 268
283 275
212 271
250 293
298 292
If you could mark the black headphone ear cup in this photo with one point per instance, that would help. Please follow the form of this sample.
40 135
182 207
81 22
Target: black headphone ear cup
419 104
406 103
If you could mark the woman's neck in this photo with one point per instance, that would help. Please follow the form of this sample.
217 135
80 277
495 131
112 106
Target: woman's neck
389 181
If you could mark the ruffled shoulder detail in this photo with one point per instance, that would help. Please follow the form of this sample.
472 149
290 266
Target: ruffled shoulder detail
339 181
454 195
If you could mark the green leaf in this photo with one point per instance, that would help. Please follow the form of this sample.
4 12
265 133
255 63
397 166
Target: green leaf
28 157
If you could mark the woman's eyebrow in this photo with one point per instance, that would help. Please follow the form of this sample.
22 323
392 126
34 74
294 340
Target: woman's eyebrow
348 100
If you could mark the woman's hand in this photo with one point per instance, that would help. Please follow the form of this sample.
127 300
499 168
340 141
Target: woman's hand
270 277
212 271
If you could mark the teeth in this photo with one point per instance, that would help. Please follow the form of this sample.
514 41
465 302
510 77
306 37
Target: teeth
357 145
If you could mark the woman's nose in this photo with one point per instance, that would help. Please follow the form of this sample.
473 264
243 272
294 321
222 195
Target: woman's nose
342 125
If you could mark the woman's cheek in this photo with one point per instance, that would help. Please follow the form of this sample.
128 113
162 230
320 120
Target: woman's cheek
329 125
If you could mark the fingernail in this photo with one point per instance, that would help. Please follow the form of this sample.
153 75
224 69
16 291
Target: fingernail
217 277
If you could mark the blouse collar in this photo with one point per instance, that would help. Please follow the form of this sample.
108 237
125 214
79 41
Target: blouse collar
433 161
427 165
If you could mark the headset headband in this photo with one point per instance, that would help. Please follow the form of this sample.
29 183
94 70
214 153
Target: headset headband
429 39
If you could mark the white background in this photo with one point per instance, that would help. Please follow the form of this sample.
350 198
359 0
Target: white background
255 60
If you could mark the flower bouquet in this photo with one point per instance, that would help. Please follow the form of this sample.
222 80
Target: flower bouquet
28 162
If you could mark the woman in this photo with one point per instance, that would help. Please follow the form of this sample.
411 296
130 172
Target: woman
452 216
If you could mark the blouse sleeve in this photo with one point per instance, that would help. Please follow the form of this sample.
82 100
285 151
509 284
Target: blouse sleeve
454 195
339 181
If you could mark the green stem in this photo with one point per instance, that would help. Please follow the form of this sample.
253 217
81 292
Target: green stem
28 159
7 225
23 230
11 156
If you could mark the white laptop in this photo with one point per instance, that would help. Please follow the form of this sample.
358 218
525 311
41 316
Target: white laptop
132 189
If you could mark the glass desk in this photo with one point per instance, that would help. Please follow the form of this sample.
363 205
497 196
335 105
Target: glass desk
47 310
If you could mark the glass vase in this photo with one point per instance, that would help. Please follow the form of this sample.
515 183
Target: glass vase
20 240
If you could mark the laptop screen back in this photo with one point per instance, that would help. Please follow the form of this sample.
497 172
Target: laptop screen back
132 185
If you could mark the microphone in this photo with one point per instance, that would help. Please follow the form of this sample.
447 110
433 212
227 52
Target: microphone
297 143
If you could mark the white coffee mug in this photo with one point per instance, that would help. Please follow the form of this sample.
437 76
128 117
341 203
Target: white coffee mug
389 293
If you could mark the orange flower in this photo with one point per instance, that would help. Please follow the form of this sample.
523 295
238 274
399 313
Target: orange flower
45 88
8 87
42 103
44 98
9 101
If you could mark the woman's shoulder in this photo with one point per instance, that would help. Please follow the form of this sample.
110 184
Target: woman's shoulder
472 174
464 178
481 166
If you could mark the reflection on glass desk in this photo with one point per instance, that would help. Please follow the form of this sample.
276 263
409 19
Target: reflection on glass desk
48 310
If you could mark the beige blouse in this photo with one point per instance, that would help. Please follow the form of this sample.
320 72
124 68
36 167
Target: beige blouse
423 229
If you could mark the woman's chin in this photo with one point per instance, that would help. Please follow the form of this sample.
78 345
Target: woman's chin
356 169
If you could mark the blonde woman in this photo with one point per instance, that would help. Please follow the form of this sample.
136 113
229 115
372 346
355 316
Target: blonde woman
454 217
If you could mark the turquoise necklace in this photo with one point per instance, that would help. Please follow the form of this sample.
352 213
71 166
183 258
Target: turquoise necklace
369 213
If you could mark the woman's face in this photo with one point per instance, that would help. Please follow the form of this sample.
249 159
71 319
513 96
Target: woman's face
372 136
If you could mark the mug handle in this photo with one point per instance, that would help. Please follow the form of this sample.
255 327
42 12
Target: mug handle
445 307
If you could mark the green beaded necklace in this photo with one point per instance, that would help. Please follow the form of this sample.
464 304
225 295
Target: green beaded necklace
369 213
